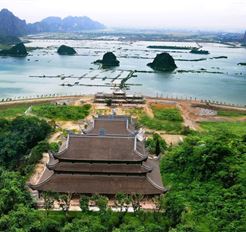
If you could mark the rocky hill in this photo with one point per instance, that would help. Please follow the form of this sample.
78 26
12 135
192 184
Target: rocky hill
163 62
13 26
19 50
66 50
109 60
10 25
68 24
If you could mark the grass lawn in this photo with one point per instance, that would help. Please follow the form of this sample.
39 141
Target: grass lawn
166 119
13 111
228 113
169 114
64 113
238 128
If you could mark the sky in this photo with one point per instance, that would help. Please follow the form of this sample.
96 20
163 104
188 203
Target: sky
163 14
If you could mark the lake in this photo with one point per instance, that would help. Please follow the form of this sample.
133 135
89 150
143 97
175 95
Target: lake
219 79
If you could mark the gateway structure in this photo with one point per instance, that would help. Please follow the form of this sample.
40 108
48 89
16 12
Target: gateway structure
108 159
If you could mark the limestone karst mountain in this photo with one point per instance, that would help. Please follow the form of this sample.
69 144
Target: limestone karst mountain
163 62
66 50
109 60
11 25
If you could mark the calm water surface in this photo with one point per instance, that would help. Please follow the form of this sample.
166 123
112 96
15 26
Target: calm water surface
230 86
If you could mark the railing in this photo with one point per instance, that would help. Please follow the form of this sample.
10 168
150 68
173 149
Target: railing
41 96
157 97
195 99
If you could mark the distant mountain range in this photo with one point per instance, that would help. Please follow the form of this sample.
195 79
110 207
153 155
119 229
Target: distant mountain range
10 25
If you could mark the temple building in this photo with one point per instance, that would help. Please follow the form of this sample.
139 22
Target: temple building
108 159
119 97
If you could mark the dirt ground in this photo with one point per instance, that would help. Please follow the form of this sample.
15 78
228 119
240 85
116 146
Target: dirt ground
39 169
194 112
70 125
191 113
172 139
54 138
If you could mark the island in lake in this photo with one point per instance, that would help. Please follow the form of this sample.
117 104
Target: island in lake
19 50
109 60
199 51
163 62
66 50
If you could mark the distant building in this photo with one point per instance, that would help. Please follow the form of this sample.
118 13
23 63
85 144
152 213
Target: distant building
108 159
119 97
65 102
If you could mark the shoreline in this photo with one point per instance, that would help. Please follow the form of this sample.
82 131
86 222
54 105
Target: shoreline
201 102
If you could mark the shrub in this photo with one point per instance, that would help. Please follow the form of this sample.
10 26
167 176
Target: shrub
63 112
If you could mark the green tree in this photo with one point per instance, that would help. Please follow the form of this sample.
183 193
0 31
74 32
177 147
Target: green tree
49 199
155 144
64 201
20 219
37 152
87 223
18 137
108 102
120 200
12 191
157 148
54 147
84 203
102 203
136 201
206 176
159 202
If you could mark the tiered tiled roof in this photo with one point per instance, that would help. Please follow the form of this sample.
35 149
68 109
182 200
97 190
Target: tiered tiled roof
102 162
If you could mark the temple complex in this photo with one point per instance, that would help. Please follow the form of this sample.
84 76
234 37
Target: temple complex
119 97
109 158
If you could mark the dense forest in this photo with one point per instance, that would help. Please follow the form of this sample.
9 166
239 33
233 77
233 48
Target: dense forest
207 180
205 177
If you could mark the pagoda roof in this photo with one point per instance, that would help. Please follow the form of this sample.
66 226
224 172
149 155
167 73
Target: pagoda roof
102 163
102 148
101 184
103 168
112 125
